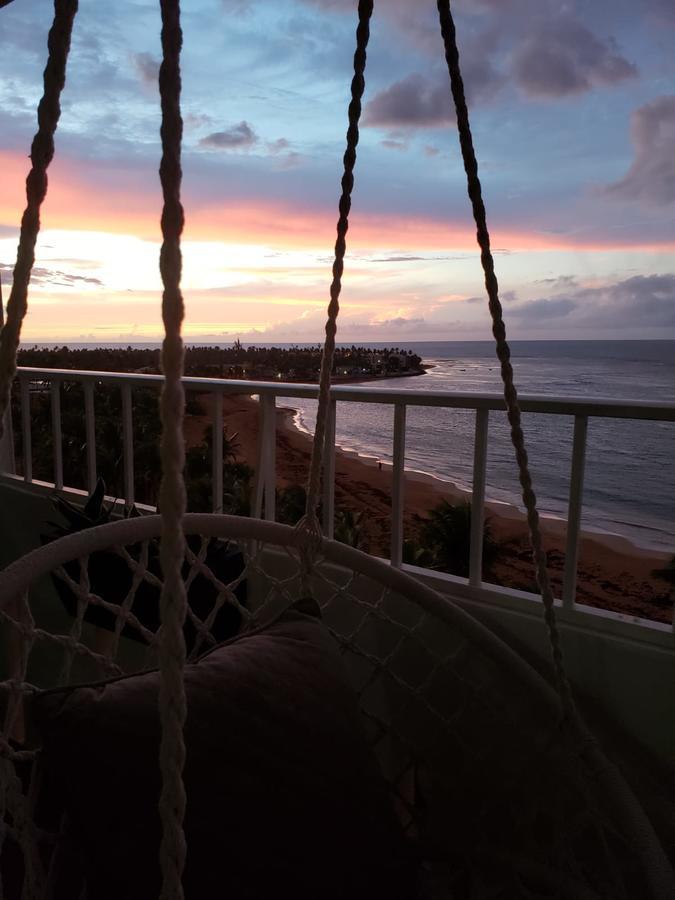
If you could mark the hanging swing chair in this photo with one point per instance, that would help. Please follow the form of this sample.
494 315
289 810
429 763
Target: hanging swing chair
362 736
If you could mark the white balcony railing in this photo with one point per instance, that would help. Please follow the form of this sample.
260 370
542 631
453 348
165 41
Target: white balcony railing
473 588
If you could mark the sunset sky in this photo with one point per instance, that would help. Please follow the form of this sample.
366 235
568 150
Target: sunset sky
573 109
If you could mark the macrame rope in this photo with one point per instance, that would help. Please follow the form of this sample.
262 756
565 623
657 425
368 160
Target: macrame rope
41 154
309 523
503 351
172 502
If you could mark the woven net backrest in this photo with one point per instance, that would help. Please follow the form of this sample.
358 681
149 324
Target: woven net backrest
468 736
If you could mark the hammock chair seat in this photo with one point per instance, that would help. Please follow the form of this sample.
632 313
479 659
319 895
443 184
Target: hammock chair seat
293 795
483 782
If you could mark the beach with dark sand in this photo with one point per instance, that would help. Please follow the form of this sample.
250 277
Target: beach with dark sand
613 573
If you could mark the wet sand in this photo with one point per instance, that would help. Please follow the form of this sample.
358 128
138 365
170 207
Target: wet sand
613 573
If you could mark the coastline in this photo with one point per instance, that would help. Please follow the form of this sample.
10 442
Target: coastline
614 573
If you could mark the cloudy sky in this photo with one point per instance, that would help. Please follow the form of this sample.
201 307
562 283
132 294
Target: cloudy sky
573 107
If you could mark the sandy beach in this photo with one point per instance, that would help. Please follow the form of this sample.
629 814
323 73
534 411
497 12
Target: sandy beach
613 573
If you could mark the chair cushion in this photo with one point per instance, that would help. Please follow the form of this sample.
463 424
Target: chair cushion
284 796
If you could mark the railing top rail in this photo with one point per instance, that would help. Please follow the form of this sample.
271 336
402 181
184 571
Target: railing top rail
561 405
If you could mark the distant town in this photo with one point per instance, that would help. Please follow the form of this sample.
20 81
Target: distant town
255 363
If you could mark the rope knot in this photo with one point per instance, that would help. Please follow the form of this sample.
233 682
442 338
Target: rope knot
310 535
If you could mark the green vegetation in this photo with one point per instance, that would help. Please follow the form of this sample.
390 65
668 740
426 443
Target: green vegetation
237 476
291 504
444 541
667 573
441 541
257 363
111 578
349 528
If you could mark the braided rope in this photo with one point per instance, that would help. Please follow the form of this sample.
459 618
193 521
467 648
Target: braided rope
310 523
41 154
172 501
503 351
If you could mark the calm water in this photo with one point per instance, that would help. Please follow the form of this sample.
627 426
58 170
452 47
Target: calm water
630 467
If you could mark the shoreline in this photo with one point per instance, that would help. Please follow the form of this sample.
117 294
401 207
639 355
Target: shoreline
613 573
499 508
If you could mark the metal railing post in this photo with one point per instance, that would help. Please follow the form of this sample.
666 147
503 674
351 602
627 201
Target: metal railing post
569 590
217 452
27 447
57 437
265 476
329 473
7 458
398 485
270 465
128 445
90 434
478 497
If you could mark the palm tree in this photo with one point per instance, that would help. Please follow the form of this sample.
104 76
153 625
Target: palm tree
238 488
446 534
199 477
349 528
415 555
667 573
291 502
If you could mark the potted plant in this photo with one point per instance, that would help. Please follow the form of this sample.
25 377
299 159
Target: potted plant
111 576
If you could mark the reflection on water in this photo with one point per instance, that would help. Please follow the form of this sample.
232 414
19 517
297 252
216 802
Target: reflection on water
630 474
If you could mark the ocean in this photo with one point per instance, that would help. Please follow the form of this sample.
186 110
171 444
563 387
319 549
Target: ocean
630 465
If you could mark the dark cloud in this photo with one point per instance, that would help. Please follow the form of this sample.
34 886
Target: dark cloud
647 300
240 7
406 257
196 120
491 4
413 102
482 80
147 68
278 146
561 57
544 308
333 5
651 177
417 22
289 160
662 10
560 281
238 137
399 322
419 101
558 56
41 275
285 157
391 144
644 301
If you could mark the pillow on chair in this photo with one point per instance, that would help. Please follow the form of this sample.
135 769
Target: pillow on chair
283 795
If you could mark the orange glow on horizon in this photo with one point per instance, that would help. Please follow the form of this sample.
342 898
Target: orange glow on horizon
79 200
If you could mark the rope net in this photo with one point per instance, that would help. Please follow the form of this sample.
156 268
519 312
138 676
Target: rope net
498 797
